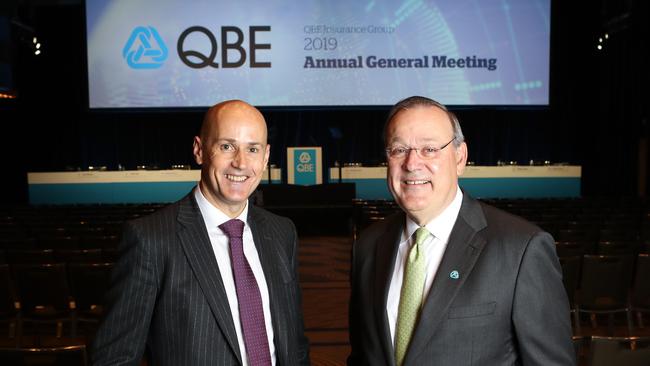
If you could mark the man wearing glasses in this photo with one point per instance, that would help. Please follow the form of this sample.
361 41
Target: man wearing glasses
451 281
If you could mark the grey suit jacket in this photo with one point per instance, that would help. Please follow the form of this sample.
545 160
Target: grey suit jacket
507 305
167 297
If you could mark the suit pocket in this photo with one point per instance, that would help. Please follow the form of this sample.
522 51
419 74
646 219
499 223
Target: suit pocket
472 311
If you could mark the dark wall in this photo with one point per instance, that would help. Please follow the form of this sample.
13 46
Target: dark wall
596 118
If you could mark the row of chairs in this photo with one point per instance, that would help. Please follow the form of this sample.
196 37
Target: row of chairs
60 242
609 351
71 355
51 294
602 351
620 247
598 284
45 256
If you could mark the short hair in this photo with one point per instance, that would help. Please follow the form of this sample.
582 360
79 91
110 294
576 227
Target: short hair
418 101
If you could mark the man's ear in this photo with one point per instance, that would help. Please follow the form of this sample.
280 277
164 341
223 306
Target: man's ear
197 150
461 158
267 154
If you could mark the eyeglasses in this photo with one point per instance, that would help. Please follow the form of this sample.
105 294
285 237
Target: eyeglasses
425 152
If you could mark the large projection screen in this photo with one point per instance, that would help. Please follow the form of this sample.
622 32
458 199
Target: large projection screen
193 53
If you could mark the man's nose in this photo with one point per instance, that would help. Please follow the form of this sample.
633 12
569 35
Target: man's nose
412 160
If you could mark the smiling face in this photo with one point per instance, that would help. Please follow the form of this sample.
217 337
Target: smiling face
232 151
424 188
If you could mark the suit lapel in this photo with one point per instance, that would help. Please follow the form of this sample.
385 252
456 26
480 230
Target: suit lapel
384 264
462 251
277 271
198 250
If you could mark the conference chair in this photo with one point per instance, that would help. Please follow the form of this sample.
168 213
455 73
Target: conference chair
640 299
99 241
579 347
9 309
582 234
626 232
110 255
9 243
604 284
56 356
78 255
617 247
45 296
89 283
574 248
621 351
570 279
30 256
58 242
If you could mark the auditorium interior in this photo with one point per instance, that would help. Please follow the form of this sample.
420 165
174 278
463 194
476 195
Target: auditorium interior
56 253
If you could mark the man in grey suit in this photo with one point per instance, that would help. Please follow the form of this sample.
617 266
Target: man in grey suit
210 279
451 281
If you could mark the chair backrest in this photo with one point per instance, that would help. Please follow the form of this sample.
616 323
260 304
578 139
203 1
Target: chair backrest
42 285
78 255
17 243
58 242
623 351
619 247
582 234
641 287
574 248
571 275
7 292
89 283
622 232
57 356
30 256
604 282
578 345
100 241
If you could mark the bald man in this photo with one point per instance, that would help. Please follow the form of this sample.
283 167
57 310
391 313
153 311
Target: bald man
186 290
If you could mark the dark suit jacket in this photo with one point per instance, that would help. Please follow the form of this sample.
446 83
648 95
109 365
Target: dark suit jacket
167 295
507 306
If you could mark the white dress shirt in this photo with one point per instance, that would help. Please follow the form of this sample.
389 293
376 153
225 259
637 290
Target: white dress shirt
213 217
434 248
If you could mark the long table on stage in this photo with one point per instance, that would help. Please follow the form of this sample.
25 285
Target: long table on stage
143 186
511 181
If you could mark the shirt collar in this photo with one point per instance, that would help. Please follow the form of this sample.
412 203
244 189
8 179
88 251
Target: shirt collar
213 216
441 226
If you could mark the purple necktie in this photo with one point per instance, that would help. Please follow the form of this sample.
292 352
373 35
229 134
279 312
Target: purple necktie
251 313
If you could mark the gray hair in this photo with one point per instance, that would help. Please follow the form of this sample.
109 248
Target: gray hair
418 101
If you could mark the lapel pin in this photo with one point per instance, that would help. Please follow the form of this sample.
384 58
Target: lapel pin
454 274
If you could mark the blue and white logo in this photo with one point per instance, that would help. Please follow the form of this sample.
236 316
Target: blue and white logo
454 275
305 166
145 49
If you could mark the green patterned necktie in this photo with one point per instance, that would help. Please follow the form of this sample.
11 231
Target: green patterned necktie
411 297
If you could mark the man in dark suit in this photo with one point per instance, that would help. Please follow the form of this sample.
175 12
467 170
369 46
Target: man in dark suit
210 279
451 281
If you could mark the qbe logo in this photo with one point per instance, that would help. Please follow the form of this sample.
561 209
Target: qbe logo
305 165
145 49
232 47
